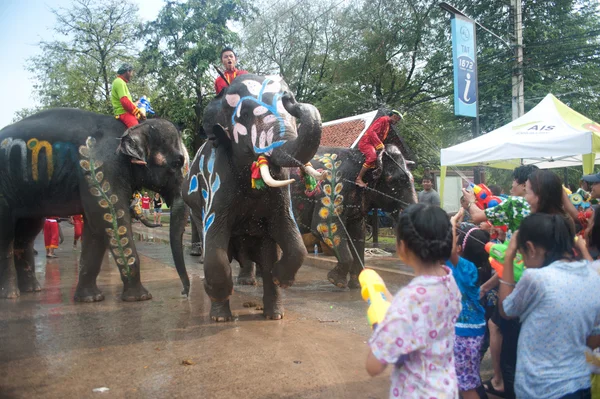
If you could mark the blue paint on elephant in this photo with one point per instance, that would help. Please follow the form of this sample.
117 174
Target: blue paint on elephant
193 185
212 182
271 108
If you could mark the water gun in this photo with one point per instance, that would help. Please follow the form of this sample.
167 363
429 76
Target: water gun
484 197
497 253
373 290
144 106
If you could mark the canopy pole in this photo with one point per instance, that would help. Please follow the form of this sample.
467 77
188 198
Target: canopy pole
442 184
588 163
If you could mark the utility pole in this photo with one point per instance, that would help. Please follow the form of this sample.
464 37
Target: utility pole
518 92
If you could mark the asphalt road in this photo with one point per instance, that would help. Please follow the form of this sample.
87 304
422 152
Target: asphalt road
51 347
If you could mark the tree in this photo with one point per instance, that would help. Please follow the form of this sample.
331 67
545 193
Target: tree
182 43
78 70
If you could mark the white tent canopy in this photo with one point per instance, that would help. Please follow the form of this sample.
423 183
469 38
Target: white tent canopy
551 135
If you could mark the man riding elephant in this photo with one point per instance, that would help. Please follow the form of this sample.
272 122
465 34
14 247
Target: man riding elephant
371 143
124 108
229 62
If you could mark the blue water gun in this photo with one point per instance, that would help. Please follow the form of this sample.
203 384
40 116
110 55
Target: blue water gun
144 106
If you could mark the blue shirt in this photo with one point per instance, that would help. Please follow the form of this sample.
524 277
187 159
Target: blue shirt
471 321
558 306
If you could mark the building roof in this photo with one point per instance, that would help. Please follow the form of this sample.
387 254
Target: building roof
346 132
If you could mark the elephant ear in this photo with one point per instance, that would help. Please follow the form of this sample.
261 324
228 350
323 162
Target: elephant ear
220 136
134 144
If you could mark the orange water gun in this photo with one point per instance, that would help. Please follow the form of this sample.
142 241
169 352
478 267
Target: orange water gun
484 197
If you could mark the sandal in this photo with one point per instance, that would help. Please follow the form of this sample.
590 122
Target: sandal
489 388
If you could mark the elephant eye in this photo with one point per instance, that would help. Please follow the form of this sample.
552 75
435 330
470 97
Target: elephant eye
177 163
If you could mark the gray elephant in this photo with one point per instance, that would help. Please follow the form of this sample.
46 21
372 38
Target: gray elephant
337 208
64 162
238 186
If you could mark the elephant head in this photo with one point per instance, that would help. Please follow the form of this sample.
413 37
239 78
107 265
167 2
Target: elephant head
257 116
160 161
395 189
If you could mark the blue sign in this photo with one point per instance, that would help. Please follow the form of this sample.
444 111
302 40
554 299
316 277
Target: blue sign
464 49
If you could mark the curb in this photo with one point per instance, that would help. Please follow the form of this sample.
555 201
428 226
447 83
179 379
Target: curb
329 262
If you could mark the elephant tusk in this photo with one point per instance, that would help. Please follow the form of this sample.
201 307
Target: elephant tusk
314 173
269 181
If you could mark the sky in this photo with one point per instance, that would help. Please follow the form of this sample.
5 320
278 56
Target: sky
23 24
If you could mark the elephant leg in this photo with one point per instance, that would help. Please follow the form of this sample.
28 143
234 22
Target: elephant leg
218 281
266 256
356 230
333 234
93 248
196 240
26 231
247 274
128 262
284 231
197 227
8 273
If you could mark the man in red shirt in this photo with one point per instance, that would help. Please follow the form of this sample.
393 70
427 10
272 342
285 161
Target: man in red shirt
146 204
372 142
229 61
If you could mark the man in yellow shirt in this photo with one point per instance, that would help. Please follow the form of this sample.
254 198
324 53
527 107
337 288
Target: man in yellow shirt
124 109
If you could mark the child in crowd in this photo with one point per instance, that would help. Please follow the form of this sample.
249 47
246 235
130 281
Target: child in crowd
558 306
470 326
417 334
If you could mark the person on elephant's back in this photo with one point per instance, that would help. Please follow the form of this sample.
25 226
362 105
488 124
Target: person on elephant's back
124 108
371 143
229 61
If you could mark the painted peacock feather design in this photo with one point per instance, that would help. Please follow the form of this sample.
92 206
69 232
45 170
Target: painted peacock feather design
332 201
100 188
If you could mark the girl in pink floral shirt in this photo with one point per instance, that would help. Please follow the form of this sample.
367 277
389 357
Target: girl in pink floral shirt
417 334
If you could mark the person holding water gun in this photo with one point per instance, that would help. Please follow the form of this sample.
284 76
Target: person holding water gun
557 303
416 335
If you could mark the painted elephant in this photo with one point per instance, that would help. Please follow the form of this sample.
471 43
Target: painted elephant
337 208
253 138
67 161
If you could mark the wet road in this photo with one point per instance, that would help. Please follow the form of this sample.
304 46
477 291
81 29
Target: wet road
51 347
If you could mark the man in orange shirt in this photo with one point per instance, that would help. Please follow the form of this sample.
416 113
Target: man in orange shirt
372 142
229 61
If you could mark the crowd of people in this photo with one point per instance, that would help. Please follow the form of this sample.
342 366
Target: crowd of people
542 329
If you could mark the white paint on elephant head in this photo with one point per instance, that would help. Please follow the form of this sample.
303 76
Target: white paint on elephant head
269 119
239 129
273 87
232 99
253 86
253 134
270 136
260 110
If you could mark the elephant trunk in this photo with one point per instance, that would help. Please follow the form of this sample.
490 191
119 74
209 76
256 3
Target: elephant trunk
270 181
179 216
296 153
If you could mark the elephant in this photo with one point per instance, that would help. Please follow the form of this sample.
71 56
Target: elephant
253 141
67 161
337 208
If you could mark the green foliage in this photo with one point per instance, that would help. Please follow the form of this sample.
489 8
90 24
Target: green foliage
181 45
77 71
